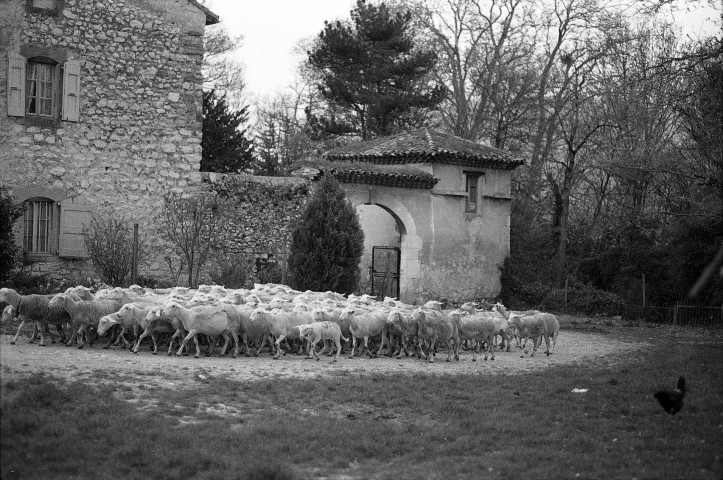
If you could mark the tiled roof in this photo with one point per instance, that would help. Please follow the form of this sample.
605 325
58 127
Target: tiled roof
368 174
425 146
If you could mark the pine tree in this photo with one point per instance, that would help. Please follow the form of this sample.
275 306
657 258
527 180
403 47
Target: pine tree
225 148
371 74
328 243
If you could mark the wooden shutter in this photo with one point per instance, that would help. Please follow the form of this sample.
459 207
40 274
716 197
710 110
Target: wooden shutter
75 214
16 85
71 91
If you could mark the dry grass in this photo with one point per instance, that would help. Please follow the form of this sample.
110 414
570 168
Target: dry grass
383 427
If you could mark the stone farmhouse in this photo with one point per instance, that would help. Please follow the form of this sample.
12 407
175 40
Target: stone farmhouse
100 110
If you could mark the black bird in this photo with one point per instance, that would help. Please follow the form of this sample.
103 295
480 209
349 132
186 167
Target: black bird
672 402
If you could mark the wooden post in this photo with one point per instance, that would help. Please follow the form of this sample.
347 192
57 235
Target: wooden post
566 279
134 268
675 314
644 306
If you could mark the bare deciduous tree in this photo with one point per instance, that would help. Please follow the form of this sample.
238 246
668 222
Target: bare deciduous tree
196 226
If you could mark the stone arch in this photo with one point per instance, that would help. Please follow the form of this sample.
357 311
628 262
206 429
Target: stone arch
410 244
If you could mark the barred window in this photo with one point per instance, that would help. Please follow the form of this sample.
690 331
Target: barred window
38 222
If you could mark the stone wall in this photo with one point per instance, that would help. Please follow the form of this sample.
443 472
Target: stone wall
138 134
265 213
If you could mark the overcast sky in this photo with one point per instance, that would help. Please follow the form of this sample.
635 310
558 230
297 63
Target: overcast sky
271 29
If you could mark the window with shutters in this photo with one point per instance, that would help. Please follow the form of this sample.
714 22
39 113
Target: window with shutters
39 226
41 88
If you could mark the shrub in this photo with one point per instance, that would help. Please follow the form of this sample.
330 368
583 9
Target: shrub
109 242
271 274
582 298
328 242
9 212
231 271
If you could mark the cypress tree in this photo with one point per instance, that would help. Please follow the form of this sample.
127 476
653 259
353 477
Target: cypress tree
328 243
225 148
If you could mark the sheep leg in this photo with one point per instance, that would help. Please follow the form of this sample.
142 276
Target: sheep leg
73 336
81 335
381 345
338 349
278 346
22 324
524 345
234 335
313 349
191 334
146 332
353 346
433 353
198 348
225 344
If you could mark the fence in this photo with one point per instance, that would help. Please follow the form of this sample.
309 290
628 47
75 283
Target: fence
677 315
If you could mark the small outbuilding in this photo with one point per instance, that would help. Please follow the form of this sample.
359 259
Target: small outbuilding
435 210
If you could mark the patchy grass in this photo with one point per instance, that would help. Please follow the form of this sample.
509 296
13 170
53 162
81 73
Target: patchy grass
382 427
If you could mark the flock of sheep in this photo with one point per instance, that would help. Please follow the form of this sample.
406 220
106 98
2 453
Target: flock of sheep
276 315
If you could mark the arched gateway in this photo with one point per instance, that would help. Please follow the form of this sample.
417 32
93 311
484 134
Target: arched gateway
450 199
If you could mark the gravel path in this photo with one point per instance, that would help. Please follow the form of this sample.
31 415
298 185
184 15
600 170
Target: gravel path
118 365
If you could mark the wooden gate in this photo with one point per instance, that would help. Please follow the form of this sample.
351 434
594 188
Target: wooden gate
385 272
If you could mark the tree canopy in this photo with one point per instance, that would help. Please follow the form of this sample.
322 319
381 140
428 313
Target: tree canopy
374 79
225 148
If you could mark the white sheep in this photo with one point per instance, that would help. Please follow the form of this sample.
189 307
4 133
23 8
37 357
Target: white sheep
35 308
83 313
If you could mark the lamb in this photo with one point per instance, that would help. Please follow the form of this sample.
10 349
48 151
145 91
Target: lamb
322 331
83 313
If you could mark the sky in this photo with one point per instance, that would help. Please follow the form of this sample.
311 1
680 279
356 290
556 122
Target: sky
272 28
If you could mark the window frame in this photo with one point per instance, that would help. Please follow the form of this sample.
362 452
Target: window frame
56 87
471 188
37 230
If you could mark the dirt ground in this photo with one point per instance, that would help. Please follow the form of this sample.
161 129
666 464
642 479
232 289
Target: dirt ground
118 365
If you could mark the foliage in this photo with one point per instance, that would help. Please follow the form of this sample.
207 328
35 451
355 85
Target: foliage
231 271
109 242
195 226
9 212
328 242
271 274
371 73
225 148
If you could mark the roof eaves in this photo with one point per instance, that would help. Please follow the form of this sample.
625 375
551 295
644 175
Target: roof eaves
211 18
